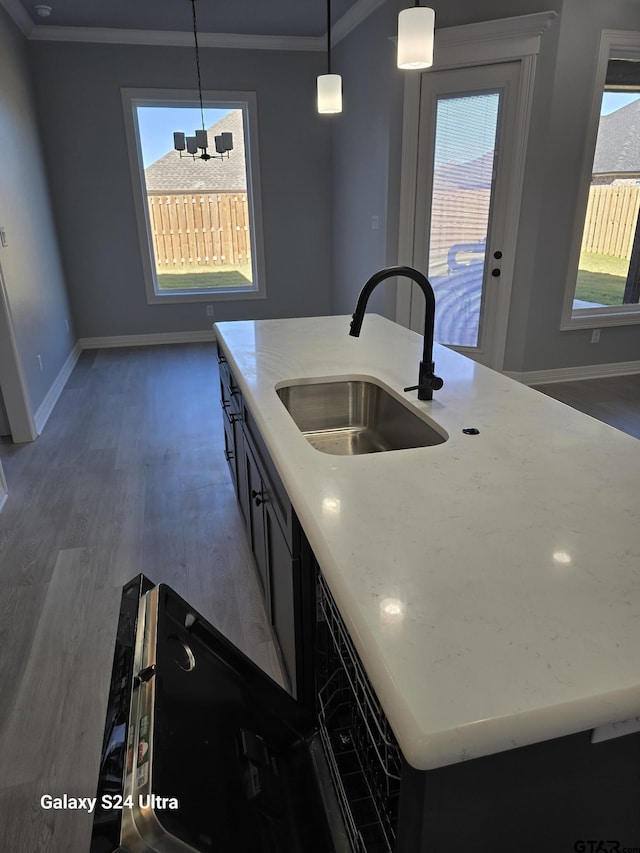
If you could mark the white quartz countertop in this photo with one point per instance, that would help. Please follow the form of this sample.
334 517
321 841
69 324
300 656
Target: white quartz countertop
491 584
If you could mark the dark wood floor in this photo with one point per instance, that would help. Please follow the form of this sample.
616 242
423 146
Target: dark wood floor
615 400
127 477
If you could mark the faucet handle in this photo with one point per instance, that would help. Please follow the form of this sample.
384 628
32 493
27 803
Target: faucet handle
435 383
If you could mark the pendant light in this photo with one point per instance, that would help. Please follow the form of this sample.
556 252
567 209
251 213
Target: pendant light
199 141
415 37
329 85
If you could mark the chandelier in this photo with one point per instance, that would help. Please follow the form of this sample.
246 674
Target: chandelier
199 142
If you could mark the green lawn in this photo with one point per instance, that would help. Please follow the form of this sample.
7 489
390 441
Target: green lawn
601 279
206 278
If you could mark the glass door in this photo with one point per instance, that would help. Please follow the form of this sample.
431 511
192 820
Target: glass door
467 120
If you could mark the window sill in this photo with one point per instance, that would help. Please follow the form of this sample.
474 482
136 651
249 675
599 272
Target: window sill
204 296
591 318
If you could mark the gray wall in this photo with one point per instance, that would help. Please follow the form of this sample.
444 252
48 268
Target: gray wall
80 110
554 165
31 265
366 161
366 158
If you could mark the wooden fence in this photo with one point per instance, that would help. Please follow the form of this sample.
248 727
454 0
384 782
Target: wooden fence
199 230
610 223
457 216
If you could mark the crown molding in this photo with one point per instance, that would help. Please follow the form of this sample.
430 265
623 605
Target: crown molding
358 13
518 27
16 12
167 38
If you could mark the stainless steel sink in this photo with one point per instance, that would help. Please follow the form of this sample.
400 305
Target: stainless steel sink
353 416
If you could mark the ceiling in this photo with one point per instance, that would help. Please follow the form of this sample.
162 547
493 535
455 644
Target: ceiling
301 18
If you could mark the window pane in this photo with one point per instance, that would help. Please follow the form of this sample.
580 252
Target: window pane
199 211
462 181
608 270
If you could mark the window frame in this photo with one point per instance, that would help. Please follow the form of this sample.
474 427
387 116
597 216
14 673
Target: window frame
614 44
247 102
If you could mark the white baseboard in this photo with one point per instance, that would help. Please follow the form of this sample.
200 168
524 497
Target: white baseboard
148 340
51 398
570 374
3 488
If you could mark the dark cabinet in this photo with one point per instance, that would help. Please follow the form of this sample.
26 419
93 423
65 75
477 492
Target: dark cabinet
231 402
281 555
284 568
275 563
258 492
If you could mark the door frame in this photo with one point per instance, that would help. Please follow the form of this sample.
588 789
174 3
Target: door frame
509 39
16 396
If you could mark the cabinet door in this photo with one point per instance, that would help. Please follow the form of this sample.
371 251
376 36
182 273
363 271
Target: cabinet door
282 567
230 450
256 518
241 479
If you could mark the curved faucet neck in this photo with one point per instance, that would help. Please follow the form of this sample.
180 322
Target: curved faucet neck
423 284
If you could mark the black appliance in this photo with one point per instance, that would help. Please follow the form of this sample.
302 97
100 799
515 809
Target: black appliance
202 750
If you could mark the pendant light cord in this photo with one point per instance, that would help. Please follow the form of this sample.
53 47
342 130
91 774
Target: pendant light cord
328 36
195 38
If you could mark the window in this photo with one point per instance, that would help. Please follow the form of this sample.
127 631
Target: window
606 287
198 220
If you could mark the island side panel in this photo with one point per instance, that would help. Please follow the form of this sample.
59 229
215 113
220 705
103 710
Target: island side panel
556 796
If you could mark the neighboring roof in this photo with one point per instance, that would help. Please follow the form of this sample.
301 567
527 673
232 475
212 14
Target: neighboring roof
175 174
618 144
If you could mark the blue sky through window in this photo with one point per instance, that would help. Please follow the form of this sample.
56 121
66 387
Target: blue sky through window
612 101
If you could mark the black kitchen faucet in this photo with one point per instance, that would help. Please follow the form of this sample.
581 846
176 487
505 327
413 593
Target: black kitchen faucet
428 382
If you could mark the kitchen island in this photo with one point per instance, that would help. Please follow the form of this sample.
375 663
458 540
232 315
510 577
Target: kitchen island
490 583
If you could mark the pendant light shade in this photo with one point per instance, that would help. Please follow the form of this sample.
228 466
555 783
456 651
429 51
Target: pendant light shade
415 37
329 85
329 93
